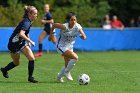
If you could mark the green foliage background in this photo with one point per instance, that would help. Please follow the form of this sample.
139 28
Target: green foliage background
90 12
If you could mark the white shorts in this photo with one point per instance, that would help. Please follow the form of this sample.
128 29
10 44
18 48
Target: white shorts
61 50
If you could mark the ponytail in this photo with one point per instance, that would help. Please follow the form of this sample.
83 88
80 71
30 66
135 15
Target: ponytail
28 9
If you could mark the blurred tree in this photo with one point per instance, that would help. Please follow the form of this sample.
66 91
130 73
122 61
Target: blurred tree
11 13
3 3
90 12
63 2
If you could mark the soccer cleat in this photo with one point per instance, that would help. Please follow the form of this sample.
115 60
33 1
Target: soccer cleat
5 73
68 76
38 54
32 80
59 79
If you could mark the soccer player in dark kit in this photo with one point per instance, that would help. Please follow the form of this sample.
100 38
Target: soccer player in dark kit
47 21
20 41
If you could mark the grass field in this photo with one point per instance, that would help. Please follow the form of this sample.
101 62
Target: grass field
110 72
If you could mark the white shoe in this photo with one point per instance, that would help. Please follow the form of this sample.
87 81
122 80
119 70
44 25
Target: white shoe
68 76
59 79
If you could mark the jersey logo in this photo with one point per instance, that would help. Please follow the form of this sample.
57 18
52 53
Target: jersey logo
16 38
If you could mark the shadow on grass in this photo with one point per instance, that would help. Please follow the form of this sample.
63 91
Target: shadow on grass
13 82
49 82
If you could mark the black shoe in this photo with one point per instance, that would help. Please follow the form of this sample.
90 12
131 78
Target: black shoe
5 73
31 79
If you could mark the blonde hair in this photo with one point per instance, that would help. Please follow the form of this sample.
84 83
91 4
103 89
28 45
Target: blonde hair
28 9
47 5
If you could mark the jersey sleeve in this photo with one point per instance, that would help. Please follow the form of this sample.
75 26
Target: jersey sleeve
49 16
25 26
79 27
66 25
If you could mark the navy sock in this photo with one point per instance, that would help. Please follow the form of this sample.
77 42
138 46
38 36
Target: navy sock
30 68
40 47
10 66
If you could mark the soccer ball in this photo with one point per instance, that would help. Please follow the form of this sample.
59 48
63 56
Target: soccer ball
83 79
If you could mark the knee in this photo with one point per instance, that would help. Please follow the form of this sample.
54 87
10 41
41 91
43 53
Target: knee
32 58
40 41
54 41
17 63
76 58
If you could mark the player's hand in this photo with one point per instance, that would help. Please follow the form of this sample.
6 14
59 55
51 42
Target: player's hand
43 21
82 36
29 44
50 37
32 43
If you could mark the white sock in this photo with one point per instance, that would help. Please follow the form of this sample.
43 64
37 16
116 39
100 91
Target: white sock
61 73
70 65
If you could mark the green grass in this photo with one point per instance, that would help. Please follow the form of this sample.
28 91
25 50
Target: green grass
110 72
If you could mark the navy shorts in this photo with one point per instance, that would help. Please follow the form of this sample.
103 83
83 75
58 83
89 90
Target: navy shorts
47 30
16 48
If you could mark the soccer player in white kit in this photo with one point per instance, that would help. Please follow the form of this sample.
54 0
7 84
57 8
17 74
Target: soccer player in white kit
68 34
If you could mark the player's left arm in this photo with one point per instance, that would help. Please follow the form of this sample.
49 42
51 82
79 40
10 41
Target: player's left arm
22 35
82 34
49 19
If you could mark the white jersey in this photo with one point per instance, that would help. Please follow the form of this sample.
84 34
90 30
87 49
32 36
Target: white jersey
67 37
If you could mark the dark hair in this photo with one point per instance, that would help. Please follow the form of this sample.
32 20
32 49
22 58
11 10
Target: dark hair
28 9
69 15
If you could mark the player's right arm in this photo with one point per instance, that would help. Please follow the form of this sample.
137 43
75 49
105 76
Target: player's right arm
22 35
51 21
55 25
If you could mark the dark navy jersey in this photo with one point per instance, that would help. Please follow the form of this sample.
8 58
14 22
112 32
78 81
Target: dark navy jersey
15 41
47 16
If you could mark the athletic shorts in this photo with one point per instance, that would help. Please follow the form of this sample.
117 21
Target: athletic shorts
16 48
47 30
63 49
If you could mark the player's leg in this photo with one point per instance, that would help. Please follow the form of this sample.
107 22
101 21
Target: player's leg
11 65
62 72
66 61
29 54
60 75
54 39
72 59
43 34
68 74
